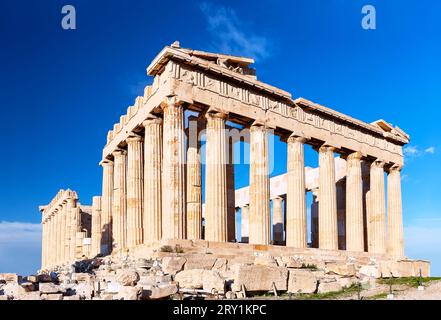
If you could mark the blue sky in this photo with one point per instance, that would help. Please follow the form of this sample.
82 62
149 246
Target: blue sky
61 90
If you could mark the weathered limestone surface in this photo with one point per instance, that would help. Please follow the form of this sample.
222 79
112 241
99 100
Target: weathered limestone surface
260 278
259 212
395 235
135 187
216 179
173 196
354 204
295 197
119 208
152 220
328 235
377 216
106 207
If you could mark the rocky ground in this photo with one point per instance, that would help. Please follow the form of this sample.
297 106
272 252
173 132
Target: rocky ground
172 274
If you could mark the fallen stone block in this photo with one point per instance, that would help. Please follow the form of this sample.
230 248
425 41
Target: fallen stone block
83 289
302 281
81 277
172 265
128 293
153 279
190 279
50 288
113 287
160 291
265 261
328 286
220 264
371 271
127 277
13 289
260 278
212 280
199 262
10 278
342 269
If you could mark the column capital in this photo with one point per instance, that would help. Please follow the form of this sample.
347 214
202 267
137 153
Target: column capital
395 168
134 138
294 137
353 156
378 163
210 115
106 162
171 101
119 152
152 119
326 148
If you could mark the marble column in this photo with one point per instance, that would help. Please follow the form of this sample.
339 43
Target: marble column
173 172
314 218
96 225
354 203
259 219
395 241
244 223
59 234
51 240
216 178
74 226
277 220
106 207
296 194
119 206
328 232
194 180
135 186
78 232
377 217
231 191
66 232
152 219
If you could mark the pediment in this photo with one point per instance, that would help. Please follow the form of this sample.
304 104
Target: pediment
387 127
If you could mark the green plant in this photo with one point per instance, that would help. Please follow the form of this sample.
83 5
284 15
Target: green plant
308 266
166 249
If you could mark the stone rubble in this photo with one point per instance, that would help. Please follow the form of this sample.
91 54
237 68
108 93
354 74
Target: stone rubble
177 275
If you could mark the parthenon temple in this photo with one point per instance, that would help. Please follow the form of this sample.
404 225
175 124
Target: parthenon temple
154 188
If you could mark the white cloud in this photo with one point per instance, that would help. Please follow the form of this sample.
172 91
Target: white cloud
411 152
430 150
229 36
20 247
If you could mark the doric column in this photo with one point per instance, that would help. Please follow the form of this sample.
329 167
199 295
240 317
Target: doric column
328 233
216 179
173 172
78 232
395 241
119 207
277 220
231 191
106 207
244 211
135 185
59 234
296 195
96 226
66 232
377 217
74 226
259 220
152 219
354 203
50 240
194 180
